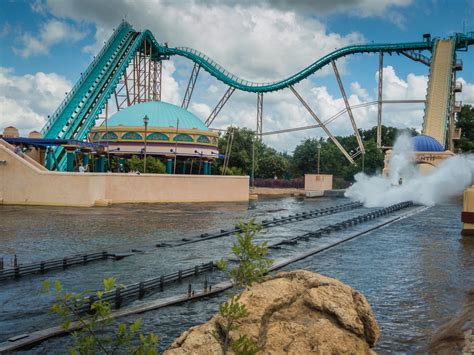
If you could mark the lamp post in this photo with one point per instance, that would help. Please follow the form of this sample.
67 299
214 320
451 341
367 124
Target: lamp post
253 161
200 160
319 154
145 122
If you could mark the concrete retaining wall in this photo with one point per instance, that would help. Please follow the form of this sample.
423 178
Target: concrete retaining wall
24 183
317 182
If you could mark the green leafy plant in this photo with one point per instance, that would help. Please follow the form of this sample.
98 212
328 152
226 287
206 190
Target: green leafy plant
252 265
92 336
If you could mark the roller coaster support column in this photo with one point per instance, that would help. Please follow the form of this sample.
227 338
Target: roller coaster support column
322 125
71 157
85 156
157 75
190 88
206 167
379 102
348 108
259 115
49 158
99 164
219 106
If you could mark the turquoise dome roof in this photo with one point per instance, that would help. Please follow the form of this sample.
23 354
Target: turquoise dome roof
161 114
423 143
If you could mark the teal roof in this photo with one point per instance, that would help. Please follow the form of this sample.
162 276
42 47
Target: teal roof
161 114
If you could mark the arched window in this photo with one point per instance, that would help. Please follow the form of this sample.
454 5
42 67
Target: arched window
203 139
96 136
110 135
183 138
214 140
157 136
132 136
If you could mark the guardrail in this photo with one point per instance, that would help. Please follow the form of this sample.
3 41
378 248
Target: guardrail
19 270
139 289
342 225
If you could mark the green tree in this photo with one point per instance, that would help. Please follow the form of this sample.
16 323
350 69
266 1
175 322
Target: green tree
267 161
252 265
241 148
93 338
389 134
333 162
465 122
271 163
153 165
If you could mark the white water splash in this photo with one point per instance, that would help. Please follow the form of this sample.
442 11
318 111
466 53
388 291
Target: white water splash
440 184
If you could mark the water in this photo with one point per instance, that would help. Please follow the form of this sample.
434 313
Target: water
439 185
414 273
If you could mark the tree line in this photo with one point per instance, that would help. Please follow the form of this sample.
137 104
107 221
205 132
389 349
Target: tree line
247 153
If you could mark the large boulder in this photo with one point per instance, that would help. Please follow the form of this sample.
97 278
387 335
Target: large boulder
296 312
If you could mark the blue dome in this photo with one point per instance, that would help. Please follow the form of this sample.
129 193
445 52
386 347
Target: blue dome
161 114
423 143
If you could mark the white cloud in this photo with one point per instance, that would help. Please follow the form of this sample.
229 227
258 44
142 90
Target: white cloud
212 89
27 100
51 33
201 110
467 94
255 42
170 87
102 35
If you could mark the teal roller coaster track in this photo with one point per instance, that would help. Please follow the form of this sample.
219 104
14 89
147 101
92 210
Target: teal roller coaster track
77 114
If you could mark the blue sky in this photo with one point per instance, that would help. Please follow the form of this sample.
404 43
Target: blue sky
45 44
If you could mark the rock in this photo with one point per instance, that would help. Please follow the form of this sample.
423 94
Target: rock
296 312
456 336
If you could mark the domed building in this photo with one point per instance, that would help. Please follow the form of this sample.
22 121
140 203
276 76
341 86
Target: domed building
428 154
424 143
162 130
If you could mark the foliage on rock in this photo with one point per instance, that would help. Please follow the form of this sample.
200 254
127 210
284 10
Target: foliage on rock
252 265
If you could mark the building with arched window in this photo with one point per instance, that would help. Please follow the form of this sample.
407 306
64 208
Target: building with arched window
171 133
428 153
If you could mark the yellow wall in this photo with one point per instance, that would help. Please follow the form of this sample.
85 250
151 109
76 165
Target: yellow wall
468 206
436 111
314 182
23 183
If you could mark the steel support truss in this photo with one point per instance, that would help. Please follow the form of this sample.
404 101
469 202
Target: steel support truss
379 102
417 57
190 88
259 115
348 108
141 81
219 106
322 125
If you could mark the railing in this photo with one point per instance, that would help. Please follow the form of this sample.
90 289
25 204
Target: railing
458 86
139 289
41 267
52 118
225 76
457 106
